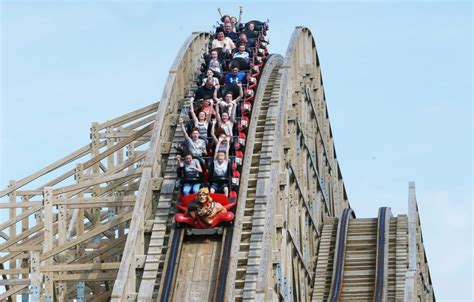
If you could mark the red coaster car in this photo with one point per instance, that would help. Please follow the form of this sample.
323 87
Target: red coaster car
227 203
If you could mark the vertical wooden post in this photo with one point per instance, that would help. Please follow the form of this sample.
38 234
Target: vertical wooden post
25 225
95 143
12 229
110 165
61 287
119 210
79 174
36 280
80 291
48 241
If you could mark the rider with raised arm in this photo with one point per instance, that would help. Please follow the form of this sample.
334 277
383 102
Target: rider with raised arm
195 146
228 103
220 178
201 121
236 23
226 121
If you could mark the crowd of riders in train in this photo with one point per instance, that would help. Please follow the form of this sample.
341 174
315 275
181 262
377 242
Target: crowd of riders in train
210 158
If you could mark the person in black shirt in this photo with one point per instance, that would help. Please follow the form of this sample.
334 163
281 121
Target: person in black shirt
205 92
229 33
244 40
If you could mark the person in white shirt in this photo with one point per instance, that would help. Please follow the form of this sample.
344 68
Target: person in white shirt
242 53
223 42
210 75
226 121
226 104
220 181
214 63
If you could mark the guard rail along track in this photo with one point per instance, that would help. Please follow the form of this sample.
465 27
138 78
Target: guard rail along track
96 225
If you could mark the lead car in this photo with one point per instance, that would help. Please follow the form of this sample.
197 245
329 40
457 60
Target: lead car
195 207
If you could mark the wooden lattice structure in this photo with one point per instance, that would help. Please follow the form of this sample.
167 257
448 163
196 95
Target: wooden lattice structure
97 225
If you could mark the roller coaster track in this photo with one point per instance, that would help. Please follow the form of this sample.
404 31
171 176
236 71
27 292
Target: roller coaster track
101 226
369 260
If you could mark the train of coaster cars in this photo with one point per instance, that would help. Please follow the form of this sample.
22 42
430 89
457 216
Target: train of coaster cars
252 67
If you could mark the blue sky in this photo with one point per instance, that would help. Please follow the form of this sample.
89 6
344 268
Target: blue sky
397 77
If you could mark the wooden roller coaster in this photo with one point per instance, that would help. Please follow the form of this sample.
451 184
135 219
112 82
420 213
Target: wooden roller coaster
98 224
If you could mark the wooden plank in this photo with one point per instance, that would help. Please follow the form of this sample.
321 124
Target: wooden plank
128 253
12 291
140 123
13 240
129 116
12 228
23 248
61 287
96 181
19 205
118 146
63 161
106 200
13 271
80 267
22 216
48 242
36 279
86 277
91 233
15 282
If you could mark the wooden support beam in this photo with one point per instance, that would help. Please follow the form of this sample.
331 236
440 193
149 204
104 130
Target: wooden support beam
81 267
12 291
36 279
101 201
20 217
305 199
14 240
118 146
23 248
300 255
69 158
86 277
13 282
129 116
61 287
20 205
96 181
12 228
91 233
48 242
13 271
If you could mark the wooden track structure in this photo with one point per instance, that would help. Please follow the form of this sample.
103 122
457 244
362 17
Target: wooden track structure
97 225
